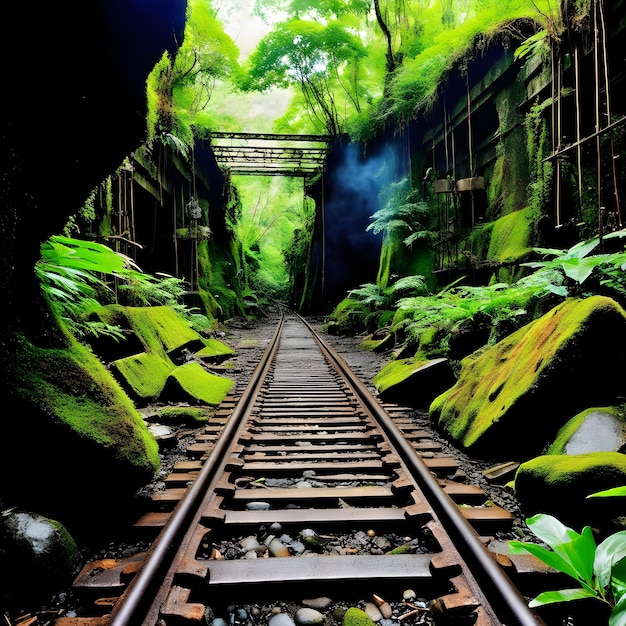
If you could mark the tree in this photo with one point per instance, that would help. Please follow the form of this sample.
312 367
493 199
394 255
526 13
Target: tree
321 59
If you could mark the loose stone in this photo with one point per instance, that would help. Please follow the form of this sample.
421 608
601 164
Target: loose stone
409 595
321 603
258 506
277 548
308 617
372 611
280 619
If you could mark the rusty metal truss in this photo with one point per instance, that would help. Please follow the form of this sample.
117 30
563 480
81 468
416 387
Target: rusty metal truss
267 154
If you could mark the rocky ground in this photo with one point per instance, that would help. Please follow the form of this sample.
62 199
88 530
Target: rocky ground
249 339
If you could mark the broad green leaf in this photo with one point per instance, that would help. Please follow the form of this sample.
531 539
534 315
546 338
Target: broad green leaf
618 581
617 233
580 553
564 595
550 530
583 248
609 493
618 614
611 551
549 557
580 269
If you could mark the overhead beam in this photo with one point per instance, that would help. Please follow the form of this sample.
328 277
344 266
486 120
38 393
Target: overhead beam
269 154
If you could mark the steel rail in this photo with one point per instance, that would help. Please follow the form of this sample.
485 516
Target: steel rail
136 605
507 602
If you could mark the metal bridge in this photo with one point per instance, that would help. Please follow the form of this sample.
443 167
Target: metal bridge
267 154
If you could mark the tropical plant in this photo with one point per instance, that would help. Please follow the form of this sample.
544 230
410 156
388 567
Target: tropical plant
72 276
69 271
403 212
600 570
578 267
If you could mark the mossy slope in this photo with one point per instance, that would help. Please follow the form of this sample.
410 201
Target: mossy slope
87 433
523 385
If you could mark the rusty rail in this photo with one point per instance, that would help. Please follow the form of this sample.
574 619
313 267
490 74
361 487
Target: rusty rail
256 438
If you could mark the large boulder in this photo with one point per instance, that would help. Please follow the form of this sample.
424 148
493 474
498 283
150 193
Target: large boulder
559 485
39 556
511 399
413 381
77 427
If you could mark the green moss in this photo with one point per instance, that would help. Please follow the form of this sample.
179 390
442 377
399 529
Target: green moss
405 548
562 468
214 349
378 345
200 384
144 374
74 389
356 617
511 237
191 416
503 382
159 328
572 426
397 371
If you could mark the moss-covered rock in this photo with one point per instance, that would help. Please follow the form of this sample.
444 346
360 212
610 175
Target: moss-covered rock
188 415
192 383
511 237
214 351
414 381
143 375
160 329
378 342
559 485
600 429
39 556
168 339
510 401
88 432
356 617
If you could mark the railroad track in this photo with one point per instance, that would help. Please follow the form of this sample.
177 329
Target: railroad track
305 456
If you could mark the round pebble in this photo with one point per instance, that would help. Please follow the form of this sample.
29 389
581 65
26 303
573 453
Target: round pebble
277 548
258 506
308 617
280 619
409 595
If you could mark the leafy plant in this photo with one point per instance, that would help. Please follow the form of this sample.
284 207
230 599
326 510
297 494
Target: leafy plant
577 266
71 274
609 493
403 212
600 569
68 273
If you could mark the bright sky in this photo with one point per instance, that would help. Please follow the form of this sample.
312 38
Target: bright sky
246 30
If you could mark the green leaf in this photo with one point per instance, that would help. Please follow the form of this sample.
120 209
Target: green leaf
618 614
611 551
550 558
609 493
564 595
618 581
573 553
580 553
550 530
